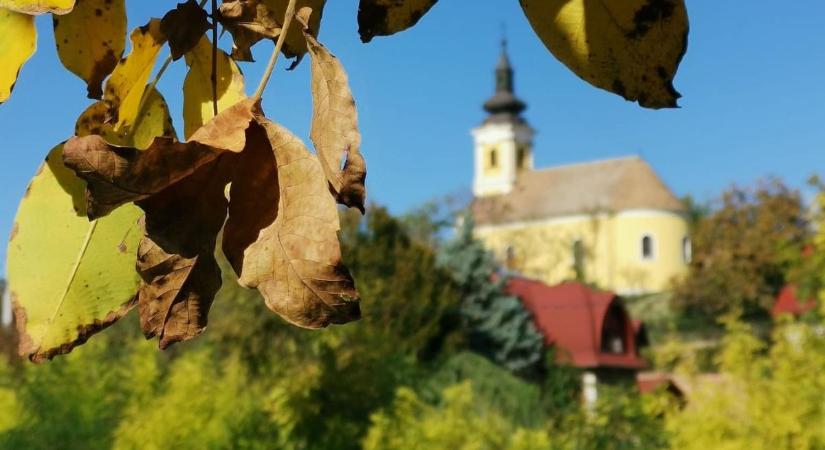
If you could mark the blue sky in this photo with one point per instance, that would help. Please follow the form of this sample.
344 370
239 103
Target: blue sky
753 105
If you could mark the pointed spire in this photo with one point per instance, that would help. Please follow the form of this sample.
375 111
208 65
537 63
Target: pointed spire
504 105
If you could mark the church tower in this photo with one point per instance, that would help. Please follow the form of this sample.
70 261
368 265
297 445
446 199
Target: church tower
504 141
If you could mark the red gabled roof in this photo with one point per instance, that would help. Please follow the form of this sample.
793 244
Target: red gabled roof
571 316
788 303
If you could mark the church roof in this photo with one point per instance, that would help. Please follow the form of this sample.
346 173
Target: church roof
610 185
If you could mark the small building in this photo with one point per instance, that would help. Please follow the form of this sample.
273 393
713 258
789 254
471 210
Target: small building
787 302
611 222
588 329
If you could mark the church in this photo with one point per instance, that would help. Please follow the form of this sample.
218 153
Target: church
612 223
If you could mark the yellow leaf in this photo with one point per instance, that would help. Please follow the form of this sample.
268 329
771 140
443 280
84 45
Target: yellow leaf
18 40
386 17
125 87
38 6
335 125
281 235
628 47
68 277
90 40
155 121
197 87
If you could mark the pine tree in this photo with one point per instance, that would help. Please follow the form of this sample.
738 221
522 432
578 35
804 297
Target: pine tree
496 324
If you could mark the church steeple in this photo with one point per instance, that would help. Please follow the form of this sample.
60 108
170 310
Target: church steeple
504 106
504 141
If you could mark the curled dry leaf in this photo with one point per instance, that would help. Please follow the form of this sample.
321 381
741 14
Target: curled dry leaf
118 175
176 258
249 21
90 40
335 125
286 243
69 278
197 86
180 186
386 17
125 88
38 6
184 26
18 39
628 47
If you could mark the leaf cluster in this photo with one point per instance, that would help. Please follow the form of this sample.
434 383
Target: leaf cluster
126 185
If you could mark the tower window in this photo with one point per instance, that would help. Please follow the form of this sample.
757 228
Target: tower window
578 259
493 161
647 247
521 157
687 250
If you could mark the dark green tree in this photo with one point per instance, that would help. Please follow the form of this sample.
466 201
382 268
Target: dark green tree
495 323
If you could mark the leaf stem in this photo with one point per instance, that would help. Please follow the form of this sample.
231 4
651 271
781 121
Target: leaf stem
214 58
290 13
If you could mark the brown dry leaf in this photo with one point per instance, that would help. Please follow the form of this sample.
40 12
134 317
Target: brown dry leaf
90 40
628 47
286 244
117 175
335 125
184 26
176 261
386 17
249 21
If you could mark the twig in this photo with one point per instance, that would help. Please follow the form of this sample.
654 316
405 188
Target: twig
290 13
214 58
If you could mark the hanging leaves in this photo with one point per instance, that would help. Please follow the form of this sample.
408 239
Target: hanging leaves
69 277
90 40
296 260
250 21
18 39
38 6
386 17
628 47
184 26
197 86
335 125
74 273
125 88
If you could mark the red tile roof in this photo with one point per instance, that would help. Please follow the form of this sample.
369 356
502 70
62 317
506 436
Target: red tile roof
788 303
571 316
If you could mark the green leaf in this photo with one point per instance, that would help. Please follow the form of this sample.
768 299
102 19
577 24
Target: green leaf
68 278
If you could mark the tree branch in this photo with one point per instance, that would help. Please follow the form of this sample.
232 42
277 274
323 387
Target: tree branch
290 13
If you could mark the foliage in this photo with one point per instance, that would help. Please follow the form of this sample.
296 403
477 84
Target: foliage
743 251
496 324
281 221
766 396
457 422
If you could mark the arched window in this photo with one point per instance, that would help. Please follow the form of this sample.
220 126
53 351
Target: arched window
493 159
687 250
614 330
521 157
647 247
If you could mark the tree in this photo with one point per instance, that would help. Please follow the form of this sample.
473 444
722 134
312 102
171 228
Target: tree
496 324
767 396
743 251
125 161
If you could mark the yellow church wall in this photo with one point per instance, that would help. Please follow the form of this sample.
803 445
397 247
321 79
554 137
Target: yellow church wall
611 244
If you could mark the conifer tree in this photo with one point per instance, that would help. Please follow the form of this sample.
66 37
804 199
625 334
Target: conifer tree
496 324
